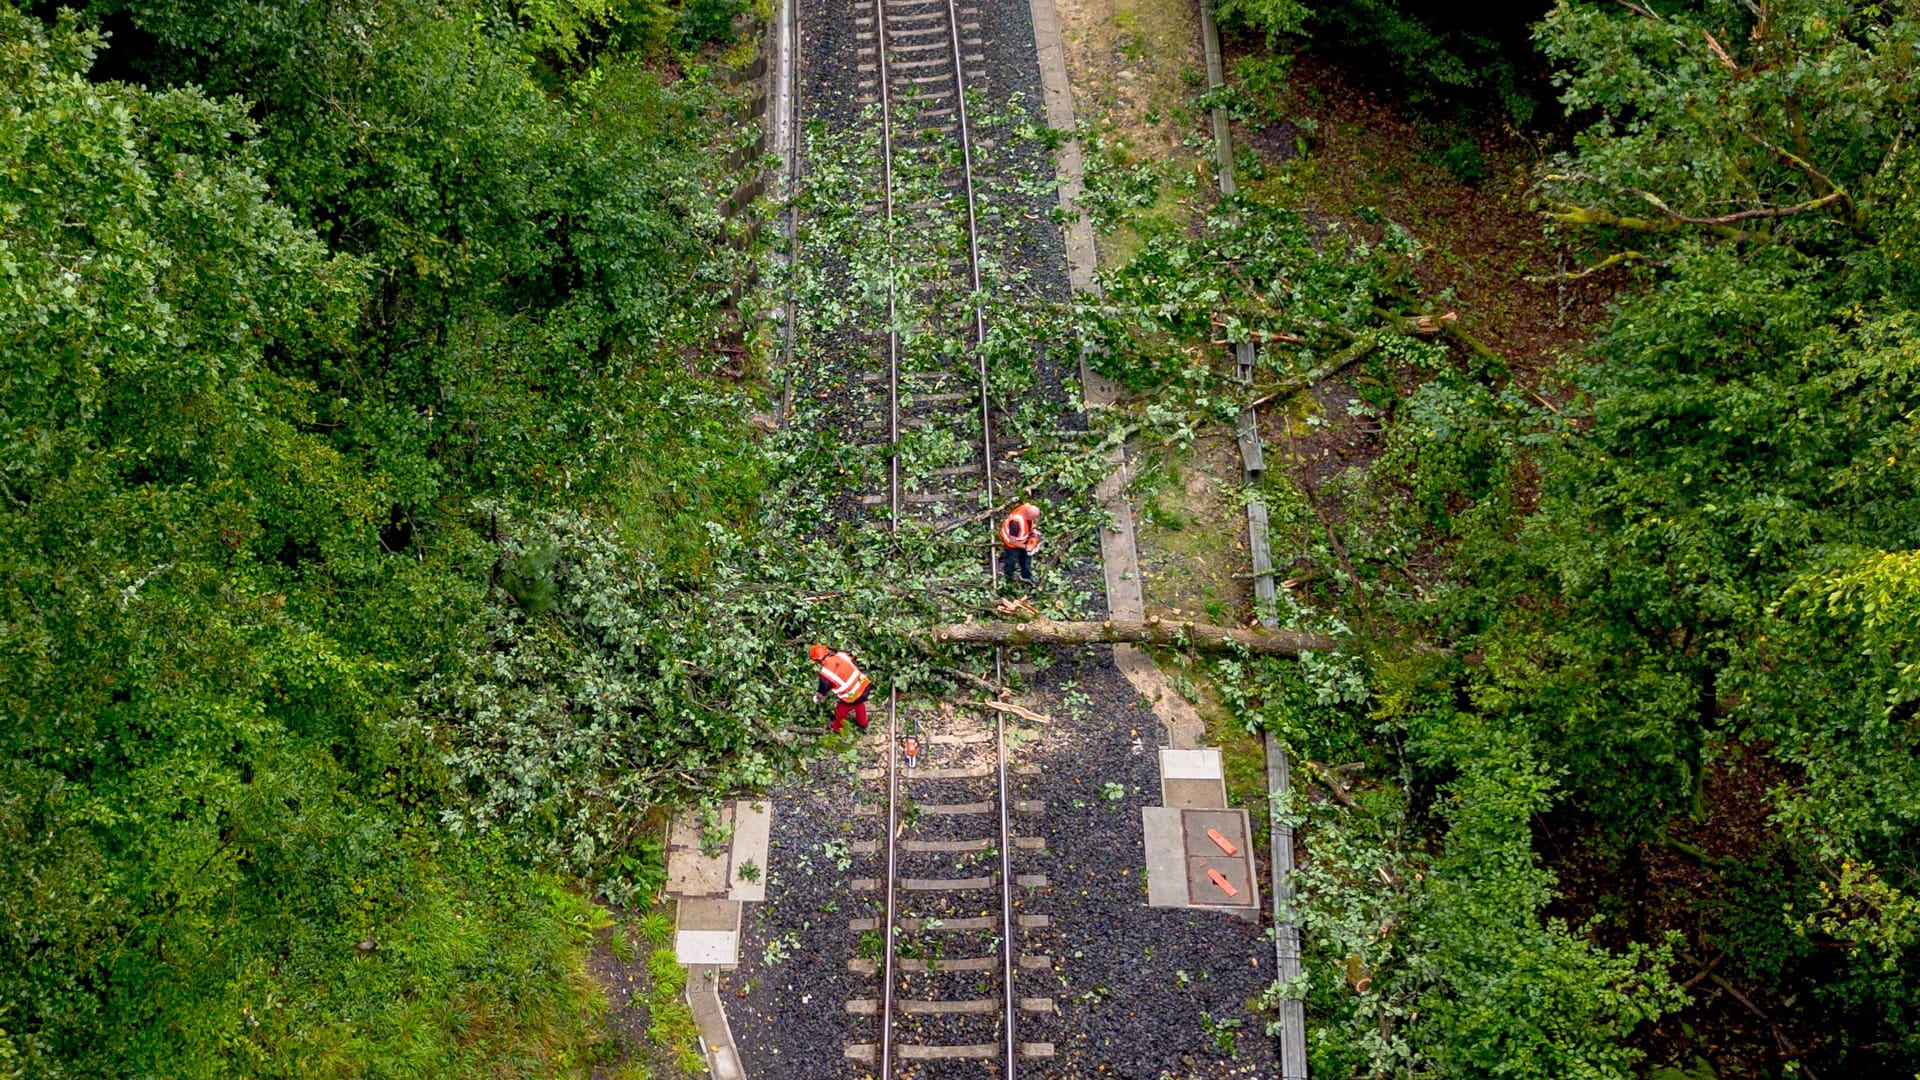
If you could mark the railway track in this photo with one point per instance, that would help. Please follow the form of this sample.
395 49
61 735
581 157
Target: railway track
934 375
945 947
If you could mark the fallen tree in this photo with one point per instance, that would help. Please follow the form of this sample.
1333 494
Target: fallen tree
1198 636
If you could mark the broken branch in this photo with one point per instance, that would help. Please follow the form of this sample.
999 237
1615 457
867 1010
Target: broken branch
1007 707
1610 261
1805 166
1335 364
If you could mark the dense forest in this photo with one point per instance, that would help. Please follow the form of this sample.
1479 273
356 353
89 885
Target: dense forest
327 326
385 536
1668 751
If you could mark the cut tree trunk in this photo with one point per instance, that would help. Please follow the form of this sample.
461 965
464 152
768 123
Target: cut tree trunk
1200 637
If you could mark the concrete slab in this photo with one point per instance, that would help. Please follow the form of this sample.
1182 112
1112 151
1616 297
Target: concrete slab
1166 856
1286 938
1200 793
1192 777
710 1016
1230 824
1201 764
690 871
684 830
752 828
1204 892
706 947
1179 854
708 915
691 874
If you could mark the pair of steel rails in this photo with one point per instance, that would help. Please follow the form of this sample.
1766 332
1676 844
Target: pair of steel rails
909 19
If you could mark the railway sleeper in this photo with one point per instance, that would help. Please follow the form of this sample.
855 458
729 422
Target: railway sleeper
862 966
958 772
871 1006
939 808
971 884
868 1053
915 924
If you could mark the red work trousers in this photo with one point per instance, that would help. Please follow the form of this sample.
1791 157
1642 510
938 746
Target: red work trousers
857 708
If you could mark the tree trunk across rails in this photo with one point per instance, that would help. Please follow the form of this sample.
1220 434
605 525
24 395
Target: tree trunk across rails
1200 637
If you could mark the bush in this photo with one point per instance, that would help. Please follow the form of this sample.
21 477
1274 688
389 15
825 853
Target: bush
702 22
267 351
1476 56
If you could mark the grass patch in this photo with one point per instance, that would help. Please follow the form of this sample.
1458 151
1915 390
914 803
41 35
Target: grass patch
670 1026
1190 525
654 1033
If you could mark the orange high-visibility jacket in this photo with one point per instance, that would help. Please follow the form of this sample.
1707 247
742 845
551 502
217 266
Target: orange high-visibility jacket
844 677
1018 531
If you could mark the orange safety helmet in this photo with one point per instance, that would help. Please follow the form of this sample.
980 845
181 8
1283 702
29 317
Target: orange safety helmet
817 653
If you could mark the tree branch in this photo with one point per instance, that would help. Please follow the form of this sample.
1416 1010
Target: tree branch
1767 212
1610 261
1721 225
1568 214
1334 365
1719 53
1805 167
1007 707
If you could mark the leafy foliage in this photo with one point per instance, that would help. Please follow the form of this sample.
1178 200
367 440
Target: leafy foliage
1781 124
275 370
1719 566
1440 54
1428 947
1685 591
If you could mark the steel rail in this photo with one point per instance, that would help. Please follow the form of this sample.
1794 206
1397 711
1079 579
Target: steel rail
893 285
1006 900
965 132
893 829
893 523
1009 1015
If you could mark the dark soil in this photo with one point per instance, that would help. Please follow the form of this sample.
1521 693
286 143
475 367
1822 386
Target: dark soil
627 983
1750 977
1374 161
1376 158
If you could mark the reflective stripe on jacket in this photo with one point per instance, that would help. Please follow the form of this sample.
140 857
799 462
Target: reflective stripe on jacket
844 678
1018 531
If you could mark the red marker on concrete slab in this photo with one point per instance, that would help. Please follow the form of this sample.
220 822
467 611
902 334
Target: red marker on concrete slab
1220 880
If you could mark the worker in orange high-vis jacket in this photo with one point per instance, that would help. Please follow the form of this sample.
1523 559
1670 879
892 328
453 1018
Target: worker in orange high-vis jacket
1020 536
842 678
